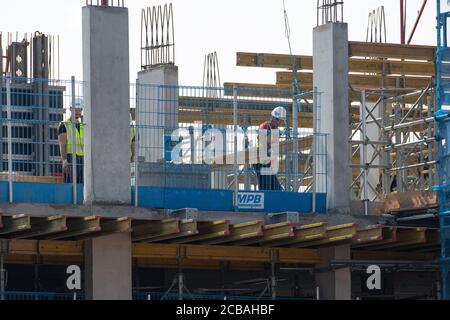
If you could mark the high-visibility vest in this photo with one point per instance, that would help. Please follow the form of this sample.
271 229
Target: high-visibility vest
132 134
79 138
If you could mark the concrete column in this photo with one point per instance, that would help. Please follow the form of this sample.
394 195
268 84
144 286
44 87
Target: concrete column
158 109
335 284
108 267
107 105
331 81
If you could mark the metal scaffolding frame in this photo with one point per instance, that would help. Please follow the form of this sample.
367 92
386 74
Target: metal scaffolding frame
396 143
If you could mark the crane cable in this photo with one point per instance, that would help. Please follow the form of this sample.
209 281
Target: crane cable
296 86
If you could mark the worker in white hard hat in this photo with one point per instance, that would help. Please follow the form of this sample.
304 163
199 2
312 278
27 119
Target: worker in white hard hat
66 133
269 182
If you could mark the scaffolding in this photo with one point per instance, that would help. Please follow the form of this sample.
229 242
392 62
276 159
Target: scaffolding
393 144
442 118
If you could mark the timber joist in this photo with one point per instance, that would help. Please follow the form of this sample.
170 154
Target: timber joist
362 82
354 95
384 59
372 66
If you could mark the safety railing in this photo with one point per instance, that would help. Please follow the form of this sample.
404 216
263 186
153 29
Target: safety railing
35 116
39 296
225 139
190 138
158 296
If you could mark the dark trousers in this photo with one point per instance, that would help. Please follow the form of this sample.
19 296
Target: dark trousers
267 182
80 170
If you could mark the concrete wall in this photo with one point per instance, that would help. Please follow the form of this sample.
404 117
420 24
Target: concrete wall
107 117
108 267
158 108
331 80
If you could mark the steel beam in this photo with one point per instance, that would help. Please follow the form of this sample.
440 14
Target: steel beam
207 231
334 235
389 235
15 224
240 232
369 235
187 228
150 230
273 232
78 228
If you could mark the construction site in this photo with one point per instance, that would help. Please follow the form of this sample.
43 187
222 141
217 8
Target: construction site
114 188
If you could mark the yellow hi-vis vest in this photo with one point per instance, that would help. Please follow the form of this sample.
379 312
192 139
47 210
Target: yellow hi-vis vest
132 134
79 138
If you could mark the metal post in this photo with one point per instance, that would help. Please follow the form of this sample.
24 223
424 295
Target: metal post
136 149
295 146
236 168
273 282
180 286
74 146
314 150
10 155
364 151
2 277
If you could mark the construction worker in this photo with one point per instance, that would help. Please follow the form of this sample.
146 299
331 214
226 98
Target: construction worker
65 138
133 133
269 182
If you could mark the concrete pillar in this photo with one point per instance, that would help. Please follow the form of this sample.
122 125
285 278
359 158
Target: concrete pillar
331 81
107 105
108 267
334 284
158 109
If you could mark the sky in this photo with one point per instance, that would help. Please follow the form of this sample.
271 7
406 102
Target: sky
204 26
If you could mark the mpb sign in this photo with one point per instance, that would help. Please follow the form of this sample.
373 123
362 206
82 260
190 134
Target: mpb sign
250 200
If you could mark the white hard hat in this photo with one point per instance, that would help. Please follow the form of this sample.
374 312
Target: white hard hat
79 103
279 113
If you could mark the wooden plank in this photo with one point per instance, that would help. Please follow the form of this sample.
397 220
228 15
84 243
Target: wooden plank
392 255
283 61
360 82
61 248
155 251
354 96
19 178
389 50
255 254
410 201
198 264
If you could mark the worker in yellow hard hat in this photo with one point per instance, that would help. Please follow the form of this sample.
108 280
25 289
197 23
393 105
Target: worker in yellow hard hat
269 182
66 132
